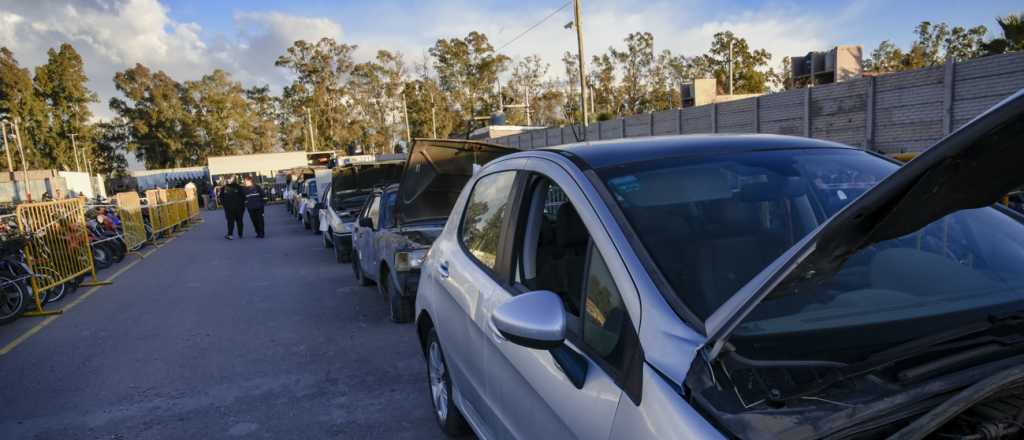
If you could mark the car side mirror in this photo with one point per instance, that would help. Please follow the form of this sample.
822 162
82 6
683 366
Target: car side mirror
365 222
533 320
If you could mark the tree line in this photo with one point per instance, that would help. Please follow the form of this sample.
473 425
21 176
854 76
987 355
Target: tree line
336 103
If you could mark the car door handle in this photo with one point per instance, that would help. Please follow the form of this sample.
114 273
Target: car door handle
442 269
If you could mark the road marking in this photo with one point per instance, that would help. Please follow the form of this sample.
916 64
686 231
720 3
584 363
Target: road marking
36 328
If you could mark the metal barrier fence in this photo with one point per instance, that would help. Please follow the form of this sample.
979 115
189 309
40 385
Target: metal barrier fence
193 203
58 250
177 205
159 218
129 209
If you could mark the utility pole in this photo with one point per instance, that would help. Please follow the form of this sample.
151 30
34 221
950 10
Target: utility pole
583 68
24 165
74 146
309 121
528 108
7 148
408 131
730 66
433 117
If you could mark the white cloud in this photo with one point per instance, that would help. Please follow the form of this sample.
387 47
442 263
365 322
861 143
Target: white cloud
114 35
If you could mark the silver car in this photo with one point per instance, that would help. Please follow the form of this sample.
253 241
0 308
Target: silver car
733 286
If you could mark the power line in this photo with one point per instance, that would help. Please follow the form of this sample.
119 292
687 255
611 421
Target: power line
552 14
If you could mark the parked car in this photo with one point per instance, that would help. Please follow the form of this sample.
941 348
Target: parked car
399 223
756 287
310 207
350 188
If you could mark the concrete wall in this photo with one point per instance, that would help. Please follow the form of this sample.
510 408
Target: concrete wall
14 191
900 112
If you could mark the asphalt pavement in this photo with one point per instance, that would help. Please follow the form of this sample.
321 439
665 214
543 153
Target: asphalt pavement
207 338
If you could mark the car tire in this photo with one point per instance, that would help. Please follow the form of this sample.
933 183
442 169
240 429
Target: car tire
327 239
339 254
305 223
399 307
440 385
358 271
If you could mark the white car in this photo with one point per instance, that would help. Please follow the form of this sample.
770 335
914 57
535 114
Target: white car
733 286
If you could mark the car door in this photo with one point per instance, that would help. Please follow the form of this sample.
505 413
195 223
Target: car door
535 396
371 259
324 213
465 268
362 236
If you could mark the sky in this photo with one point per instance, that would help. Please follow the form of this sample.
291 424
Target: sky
189 38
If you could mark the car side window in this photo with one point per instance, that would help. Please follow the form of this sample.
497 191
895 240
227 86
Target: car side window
484 215
387 217
606 322
553 249
373 213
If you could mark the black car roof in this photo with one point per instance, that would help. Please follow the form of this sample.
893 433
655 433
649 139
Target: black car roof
600 154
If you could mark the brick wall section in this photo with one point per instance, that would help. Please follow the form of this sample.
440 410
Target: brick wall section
838 113
666 122
736 116
891 113
696 119
782 113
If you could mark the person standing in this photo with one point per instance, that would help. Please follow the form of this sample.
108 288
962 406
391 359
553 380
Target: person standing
254 204
233 201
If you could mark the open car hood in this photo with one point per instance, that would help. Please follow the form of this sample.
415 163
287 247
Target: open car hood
435 174
973 167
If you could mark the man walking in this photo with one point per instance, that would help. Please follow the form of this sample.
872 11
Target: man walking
254 203
233 201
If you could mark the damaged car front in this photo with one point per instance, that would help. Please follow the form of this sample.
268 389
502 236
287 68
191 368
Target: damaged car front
890 301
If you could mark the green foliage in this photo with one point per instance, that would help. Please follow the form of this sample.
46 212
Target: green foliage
751 72
468 70
933 45
1012 40
321 70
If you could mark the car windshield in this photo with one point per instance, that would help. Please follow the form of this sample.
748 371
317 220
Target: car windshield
711 223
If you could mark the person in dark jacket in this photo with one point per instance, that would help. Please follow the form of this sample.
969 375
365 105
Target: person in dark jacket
254 204
233 201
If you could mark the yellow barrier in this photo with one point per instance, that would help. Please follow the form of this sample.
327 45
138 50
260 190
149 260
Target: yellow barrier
159 218
177 199
193 203
129 209
58 250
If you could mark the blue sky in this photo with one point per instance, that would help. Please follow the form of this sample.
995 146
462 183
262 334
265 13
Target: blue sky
188 38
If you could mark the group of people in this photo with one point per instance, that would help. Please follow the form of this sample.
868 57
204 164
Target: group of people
236 200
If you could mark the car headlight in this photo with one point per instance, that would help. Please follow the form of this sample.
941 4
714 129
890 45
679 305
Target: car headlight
409 260
345 228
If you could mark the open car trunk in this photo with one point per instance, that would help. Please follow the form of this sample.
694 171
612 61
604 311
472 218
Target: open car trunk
973 167
364 177
435 174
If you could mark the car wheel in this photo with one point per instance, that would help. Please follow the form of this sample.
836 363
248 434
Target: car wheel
327 239
358 271
399 307
305 223
339 254
448 415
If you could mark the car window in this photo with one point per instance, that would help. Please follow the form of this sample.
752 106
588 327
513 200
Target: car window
482 219
605 318
387 217
554 246
373 212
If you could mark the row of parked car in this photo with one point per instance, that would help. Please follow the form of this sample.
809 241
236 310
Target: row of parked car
764 287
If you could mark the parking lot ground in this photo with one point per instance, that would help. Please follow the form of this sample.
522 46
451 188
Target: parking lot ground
208 338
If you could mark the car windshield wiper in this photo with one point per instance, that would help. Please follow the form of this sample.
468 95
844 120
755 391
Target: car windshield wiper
948 340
